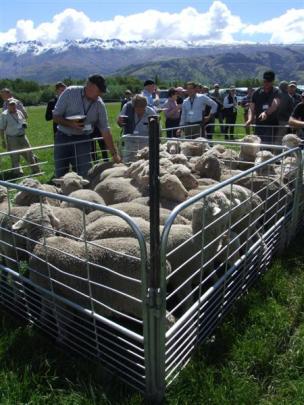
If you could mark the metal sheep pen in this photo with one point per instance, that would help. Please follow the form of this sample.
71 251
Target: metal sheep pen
142 305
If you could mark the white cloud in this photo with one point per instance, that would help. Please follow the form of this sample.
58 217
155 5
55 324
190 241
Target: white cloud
217 24
286 29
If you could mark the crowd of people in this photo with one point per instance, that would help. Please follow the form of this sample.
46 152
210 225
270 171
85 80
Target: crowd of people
79 115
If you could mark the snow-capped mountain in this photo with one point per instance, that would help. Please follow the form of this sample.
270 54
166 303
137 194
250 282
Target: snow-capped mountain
79 58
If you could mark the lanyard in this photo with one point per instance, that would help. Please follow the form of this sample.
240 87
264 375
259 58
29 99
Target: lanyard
15 119
137 122
85 111
192 101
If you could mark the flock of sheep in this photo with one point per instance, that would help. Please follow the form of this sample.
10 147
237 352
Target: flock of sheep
93 258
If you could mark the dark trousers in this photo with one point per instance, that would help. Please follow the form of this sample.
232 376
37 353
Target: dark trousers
102 146
72 150
266 132
230 118
171 123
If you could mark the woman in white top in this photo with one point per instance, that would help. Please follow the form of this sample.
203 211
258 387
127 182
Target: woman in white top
230 112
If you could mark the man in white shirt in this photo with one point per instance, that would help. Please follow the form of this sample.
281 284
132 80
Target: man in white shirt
193 109
12 133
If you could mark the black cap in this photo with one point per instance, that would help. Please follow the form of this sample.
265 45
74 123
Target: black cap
99 81
148 82
269 76
59 84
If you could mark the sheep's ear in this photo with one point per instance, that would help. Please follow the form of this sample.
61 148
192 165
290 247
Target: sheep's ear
216 210
54 221
58 182
18 225
84 182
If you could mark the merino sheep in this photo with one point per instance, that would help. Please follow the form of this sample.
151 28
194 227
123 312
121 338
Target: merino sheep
262 157
117 190
116 171
94 173
70 182
209 166
85 195
184 174
196 148
137 210
173 147
180 159
112 226
26 198
172 188
291 141
3 199
68 258
248 153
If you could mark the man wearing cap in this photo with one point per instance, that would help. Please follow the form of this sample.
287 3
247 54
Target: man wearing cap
12 133
296 119
149 92
6 94
193 110
262 109
59 88
292 90
284 111
126 99
72 139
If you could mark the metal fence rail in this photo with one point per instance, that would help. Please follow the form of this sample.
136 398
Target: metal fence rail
144 324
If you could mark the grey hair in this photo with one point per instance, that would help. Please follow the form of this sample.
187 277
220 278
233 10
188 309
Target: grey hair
139 101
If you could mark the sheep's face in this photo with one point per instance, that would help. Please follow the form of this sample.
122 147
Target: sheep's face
253 149
291 141
171 188
37 214
71 182
173 147
263 156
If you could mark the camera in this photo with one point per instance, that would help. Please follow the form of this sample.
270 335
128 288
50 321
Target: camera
24 125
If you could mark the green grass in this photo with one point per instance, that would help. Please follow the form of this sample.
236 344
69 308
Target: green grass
255 357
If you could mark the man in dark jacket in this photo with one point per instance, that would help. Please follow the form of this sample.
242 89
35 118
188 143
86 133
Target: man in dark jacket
59 88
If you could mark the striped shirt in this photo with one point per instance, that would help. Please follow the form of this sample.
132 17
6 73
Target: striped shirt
193 109
74 102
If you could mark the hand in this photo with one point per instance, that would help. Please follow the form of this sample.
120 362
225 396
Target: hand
247 124
76 125
178 132
262 116
207 119
116 157
121 121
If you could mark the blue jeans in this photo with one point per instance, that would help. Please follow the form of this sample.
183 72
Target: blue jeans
72 150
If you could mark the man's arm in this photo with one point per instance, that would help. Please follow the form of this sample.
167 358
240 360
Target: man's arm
251 112
213 105
108 138
22 109
295 123
49 111
2 128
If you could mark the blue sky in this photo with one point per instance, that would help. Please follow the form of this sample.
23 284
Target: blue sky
250 14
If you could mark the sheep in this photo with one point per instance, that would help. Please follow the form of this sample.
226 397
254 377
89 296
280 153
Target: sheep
197 148
208 166
137 210
26 198
269 169
173 147
71 182
3 199
248 153
116 171
172 188
65 266
184 174
291 141
39 221
227 174
12 244
272 192
94 173
112 226
84 195
180 159
117 190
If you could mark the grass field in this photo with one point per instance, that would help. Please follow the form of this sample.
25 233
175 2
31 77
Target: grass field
255 357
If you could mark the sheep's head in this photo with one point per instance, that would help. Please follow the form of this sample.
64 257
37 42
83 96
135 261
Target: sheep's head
263 156
173 147
37 214
71 182
250 150
24 198
171 188
291 141
3 194
209 166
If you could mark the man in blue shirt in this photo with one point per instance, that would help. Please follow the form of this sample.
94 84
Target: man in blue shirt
149 92
193 110
73 137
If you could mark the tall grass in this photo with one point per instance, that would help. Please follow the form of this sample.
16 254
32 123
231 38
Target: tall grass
255 357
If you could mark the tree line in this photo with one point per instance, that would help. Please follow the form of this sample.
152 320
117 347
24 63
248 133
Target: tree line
31 92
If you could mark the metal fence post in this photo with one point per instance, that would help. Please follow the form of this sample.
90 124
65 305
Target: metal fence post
156 307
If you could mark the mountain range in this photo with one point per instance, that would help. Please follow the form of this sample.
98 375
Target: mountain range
169 60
